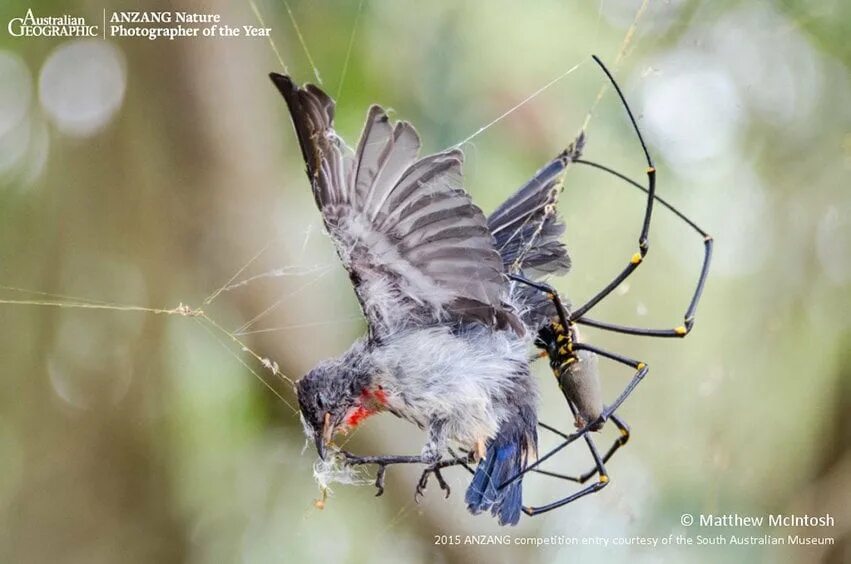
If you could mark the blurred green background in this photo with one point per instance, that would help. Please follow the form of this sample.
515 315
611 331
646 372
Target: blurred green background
149 173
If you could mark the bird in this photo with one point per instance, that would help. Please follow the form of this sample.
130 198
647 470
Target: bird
448 328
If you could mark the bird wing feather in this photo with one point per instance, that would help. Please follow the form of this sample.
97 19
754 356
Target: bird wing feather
416 247
527 227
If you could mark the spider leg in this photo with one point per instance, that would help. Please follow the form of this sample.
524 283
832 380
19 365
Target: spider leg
643 241
621 440
623 428
600 469
531 468
552 294
641 370
688 317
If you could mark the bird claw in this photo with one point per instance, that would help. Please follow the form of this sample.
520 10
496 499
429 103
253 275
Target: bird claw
379 480
443 485
421 486
423 483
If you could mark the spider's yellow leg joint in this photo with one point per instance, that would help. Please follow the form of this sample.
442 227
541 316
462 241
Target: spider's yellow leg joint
640 366
681 330
650 169
604 479
636 258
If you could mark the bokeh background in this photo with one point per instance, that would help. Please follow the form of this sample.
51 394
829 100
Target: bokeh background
150 173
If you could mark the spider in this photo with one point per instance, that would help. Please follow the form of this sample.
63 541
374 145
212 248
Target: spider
573 361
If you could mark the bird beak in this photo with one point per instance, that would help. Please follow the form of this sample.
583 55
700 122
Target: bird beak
324 438
320 445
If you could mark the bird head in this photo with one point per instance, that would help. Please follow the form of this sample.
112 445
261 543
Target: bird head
330 396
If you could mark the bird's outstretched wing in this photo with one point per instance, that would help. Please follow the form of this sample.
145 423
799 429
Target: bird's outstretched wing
416 248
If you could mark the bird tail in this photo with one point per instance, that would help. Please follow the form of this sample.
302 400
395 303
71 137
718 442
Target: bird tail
506 456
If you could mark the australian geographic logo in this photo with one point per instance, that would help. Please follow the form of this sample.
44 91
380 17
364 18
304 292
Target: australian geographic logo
50 26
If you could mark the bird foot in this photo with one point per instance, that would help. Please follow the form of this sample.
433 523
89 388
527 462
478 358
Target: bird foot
423 482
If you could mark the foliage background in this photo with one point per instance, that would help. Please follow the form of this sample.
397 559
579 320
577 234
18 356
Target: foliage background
148 173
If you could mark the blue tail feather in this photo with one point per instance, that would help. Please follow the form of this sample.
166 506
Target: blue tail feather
504 458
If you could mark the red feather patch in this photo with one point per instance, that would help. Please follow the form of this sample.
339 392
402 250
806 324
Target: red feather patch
370 403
